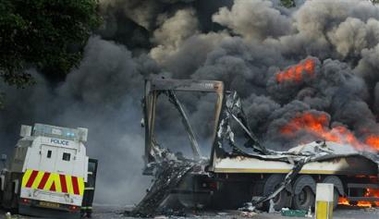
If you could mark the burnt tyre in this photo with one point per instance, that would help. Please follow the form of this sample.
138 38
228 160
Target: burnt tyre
269 185
304 193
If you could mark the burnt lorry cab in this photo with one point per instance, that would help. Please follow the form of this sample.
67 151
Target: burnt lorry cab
237 168
195 187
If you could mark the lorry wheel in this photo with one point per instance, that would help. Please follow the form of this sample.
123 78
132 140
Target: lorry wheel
270 185
338 188
304 196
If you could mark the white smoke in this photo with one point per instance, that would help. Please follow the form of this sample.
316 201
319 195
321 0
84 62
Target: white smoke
353 35
172 33
254 19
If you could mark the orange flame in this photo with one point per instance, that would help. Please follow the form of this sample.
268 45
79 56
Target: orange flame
295 72
372 193
343 201
373 141
317 125
369 193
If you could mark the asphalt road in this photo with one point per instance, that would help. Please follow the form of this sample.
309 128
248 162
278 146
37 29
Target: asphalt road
342 212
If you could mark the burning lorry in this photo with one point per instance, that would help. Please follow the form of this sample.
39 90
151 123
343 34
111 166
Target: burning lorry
50 174
240 171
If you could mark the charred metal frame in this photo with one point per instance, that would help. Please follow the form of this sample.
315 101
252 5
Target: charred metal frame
155 86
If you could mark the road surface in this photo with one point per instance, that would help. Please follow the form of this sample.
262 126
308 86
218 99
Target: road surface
342 212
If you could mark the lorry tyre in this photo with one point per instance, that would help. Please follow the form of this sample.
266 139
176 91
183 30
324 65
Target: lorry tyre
338 188
270 185
304 193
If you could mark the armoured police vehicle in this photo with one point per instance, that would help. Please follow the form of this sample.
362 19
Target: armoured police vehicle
48 173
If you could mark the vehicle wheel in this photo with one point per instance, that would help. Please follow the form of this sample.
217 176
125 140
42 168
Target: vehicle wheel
338 188
304 196
336 197
283 199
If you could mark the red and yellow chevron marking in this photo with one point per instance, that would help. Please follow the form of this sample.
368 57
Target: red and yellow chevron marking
53 182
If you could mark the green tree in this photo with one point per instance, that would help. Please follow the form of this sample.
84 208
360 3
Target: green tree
288 3
46 34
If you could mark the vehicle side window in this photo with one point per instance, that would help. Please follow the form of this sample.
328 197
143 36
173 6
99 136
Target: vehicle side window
91 167
90 181
66 156
49 152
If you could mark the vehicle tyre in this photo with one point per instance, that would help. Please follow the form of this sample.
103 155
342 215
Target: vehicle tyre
304 195
336 197
338 188
283 199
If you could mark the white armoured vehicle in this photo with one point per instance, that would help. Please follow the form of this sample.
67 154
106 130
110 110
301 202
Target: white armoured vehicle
49 173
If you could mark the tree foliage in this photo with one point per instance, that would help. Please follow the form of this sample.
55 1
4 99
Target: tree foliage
288 3
46 34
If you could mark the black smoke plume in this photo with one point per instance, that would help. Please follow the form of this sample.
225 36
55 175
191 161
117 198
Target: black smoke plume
245 43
